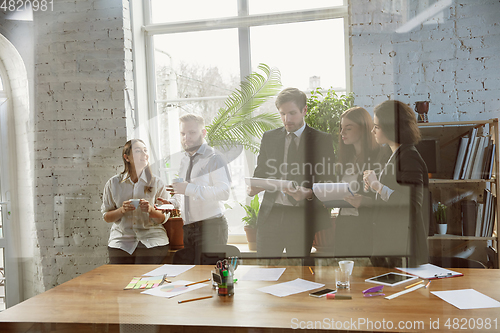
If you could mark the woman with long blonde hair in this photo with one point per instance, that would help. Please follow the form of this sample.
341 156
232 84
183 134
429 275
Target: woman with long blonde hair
137 235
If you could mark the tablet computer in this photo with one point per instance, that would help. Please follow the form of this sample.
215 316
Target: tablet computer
392 279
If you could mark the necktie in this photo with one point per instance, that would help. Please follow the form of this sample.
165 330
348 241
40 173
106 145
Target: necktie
291 158
291 155
188 179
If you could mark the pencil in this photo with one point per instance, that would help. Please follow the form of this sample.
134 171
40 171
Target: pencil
190 284
411 285
312 272
194 299
428 283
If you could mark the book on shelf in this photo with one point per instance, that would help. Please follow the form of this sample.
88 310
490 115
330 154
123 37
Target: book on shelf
475 157
472 158
460 157
468 152
479 219
469 210
492 218
478 160
490 162
488 215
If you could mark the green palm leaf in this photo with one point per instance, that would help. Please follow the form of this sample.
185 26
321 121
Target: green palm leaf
235 123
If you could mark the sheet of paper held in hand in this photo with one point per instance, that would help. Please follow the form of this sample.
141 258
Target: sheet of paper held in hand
169 270
173 289
291 287
467 299
271 184
332 194
263 274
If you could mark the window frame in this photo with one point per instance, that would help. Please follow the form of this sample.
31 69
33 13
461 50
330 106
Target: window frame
243 22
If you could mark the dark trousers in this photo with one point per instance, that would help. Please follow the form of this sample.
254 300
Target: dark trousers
202 237
286 227
141 255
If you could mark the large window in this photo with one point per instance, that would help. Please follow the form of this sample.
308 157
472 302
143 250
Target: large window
202 49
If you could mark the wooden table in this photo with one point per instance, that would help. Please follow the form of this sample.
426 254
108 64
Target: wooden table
96 301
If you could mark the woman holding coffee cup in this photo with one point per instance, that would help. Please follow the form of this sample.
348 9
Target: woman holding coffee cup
137 235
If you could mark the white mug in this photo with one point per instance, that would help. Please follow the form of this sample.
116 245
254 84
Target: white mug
135 202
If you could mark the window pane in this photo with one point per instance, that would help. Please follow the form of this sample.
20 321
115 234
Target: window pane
197 64
302 51
274 6
188 10
190 66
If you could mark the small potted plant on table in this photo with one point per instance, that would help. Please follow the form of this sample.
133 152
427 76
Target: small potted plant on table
250 222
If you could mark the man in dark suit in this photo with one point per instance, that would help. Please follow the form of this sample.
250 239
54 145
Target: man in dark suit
289 219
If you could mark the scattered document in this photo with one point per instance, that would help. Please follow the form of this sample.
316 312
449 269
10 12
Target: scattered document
467 299
169 270
263 274
430 271
273 185
173 289
332 194
291 287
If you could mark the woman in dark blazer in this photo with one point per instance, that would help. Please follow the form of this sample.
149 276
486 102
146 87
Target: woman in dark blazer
400 217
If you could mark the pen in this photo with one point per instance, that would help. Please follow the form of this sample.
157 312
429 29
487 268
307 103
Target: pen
194 299
428 284
411 285
335 296
437 276
190 284
312 272
418 286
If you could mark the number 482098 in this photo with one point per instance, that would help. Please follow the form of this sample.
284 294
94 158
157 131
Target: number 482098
471 323
21 6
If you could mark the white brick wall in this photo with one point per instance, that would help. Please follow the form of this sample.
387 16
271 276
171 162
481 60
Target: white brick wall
81 75
454 63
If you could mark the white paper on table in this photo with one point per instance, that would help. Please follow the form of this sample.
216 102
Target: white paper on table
169 270
165 289
273 185
263 274
291 287
467 299
429 271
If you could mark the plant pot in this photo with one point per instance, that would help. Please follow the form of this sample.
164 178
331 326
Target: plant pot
251 238
442 228
324 239
175 232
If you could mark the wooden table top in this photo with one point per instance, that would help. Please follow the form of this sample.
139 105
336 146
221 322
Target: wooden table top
98 298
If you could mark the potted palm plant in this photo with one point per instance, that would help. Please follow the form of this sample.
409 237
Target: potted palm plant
250 222
236 125
324 109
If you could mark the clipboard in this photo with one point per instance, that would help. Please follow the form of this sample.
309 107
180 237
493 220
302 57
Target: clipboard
430 272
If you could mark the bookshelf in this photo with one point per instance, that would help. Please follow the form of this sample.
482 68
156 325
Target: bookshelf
449 137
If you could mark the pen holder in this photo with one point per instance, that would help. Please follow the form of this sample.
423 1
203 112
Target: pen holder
226 285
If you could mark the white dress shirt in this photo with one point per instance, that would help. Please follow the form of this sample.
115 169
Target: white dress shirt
282 198
135 226
385 192
210 184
